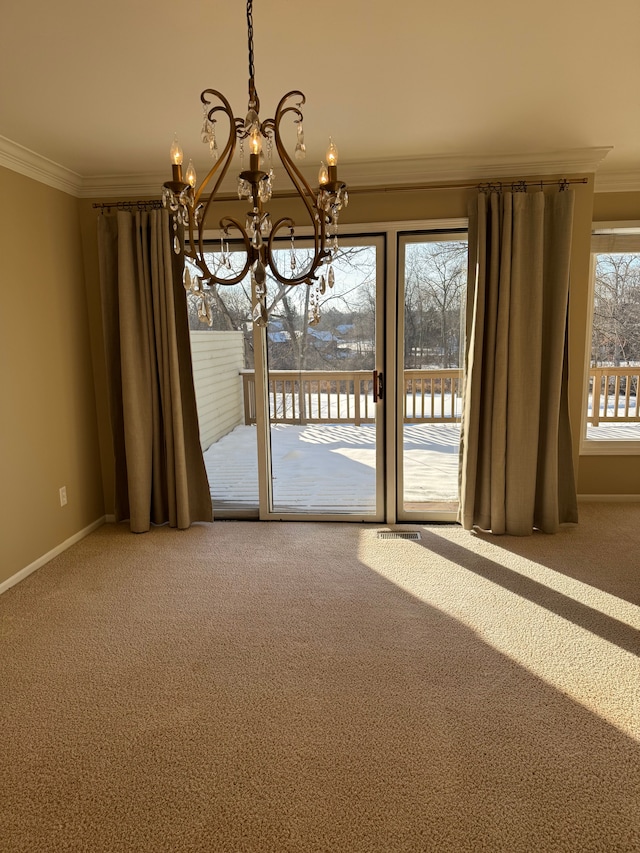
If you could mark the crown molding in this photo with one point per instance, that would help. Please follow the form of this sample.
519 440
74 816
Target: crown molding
401 172
458 168
384 173
617 182
32 165
124 186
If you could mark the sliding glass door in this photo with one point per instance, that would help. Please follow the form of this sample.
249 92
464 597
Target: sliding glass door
346 405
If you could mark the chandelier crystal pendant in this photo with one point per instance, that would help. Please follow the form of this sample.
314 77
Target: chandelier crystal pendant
191 206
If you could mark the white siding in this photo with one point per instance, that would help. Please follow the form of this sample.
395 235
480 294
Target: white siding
218 358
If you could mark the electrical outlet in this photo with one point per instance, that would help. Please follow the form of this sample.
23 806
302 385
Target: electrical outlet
63 496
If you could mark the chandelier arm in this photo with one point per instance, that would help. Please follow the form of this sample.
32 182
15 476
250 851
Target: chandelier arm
309 274
199 260
221 166
216 108
227 153
302 187
212 278
316 217
281 111
320 253
223 163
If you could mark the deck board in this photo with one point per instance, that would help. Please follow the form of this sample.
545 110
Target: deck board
330 468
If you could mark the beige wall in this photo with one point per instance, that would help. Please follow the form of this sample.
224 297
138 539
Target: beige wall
47 419
612 475
616 207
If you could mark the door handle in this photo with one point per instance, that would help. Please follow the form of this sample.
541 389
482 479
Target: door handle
378 386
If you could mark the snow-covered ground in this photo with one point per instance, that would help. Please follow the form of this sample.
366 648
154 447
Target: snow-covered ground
614 431
331 467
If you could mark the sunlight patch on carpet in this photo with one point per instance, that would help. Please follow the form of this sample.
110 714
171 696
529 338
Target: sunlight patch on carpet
577 648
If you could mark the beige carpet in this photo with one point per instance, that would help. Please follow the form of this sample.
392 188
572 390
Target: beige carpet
308 687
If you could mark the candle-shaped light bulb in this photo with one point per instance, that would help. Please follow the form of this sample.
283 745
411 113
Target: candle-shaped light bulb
176 152
323 175
332 153
191 174
255 142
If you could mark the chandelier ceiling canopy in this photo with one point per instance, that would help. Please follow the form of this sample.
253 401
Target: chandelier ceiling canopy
193 205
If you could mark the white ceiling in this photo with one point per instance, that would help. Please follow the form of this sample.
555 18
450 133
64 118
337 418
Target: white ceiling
101 88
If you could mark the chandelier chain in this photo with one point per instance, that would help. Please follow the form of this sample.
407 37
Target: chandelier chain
250 40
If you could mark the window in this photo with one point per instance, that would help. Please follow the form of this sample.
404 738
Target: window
612 418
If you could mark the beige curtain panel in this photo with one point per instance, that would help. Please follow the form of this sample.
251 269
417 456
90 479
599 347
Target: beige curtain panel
159 470
516 464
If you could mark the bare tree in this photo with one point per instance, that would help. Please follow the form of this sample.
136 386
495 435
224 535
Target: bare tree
343 338
352 297
616 310
435 282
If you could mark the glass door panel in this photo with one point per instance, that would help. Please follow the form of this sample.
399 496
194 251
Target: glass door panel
325 419
432 287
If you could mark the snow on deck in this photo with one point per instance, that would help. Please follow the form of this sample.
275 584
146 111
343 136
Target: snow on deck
330 468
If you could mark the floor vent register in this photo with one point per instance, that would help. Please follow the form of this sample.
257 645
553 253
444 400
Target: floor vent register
398 534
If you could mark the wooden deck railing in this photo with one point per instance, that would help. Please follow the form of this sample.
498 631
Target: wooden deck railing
430 396
433 396
613 392
316 396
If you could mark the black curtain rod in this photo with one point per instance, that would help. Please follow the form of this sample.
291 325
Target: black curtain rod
490 186
487 186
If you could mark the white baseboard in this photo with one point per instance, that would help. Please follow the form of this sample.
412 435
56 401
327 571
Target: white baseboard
609 498
23 573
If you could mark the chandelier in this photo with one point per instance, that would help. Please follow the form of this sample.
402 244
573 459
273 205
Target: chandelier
192 205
